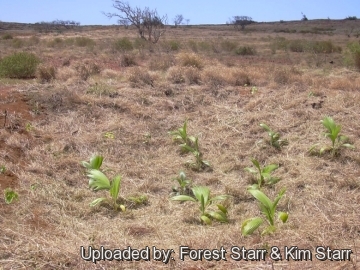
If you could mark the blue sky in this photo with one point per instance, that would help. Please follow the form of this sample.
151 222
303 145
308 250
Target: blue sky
89 12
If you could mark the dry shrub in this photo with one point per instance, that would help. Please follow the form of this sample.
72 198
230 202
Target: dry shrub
87 69
45 73
109 73
281 76
215 76
342 83
228 45
192 75
128 60
245 50
161 63
65 73
190 60
286 76
176 75
239 78
140 77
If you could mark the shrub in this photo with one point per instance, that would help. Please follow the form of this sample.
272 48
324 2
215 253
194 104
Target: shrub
86 70
17 43
84 42
7 36
123 44
172 45
162 63
228 45
176 75
245 50
215 77
139 77
193 45
20 65
192 75
190 60
33 40
352 18
127 60
56 42
45 73
240 78
352 55
297 45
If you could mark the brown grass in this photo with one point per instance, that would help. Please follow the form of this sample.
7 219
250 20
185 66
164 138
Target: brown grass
139 106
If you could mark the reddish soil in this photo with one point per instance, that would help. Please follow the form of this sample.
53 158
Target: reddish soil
14 114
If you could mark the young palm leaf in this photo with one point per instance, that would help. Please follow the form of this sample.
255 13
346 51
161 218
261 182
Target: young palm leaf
95 162
274 137
98 180
333 133
264 174
202 196
250 225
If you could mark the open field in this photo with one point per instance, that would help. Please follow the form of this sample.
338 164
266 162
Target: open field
101 90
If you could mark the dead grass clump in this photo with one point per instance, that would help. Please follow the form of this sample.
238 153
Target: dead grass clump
282 76
215 76
65 73
128 60
239 78
109 73
45 73
87 69
190 60
228 45
342 83
161 63
176 75
55 43
139 77
192 75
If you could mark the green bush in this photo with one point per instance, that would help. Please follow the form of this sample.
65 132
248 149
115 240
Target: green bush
123 44
297 45
7 36
173 45
352 55
245 50
19 65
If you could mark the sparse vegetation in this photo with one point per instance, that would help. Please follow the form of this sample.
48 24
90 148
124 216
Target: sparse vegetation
100 103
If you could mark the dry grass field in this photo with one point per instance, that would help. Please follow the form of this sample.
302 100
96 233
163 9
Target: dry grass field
101 90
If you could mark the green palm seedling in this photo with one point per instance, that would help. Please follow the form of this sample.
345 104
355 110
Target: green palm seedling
274 137
337 140
202 197
10 195
99 181
95 162
268 208
184 185
263 174
199 163
181 136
